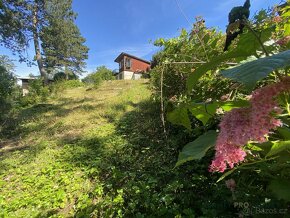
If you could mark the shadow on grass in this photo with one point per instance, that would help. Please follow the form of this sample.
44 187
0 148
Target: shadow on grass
137 174
35 113
13 129
131 165
24 154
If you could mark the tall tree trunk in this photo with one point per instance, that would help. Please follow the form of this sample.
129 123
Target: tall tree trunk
37 43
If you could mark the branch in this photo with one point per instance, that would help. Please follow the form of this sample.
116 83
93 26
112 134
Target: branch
162 110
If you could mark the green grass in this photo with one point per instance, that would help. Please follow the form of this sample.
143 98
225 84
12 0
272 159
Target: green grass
46 166
100 153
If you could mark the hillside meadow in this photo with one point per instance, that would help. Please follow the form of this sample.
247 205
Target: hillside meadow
94 153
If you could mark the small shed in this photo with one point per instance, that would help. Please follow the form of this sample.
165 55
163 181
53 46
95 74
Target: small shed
25 83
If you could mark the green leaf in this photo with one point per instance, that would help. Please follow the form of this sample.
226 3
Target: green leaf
280 188
179 116
226 175
284 132
229 105
246 46
266 147
249 45
253 147
199 72
196 150
203 111
251 72
287 30
278 147
286 14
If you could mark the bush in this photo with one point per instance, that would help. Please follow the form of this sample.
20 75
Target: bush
37 93
62 76
7 83
7 89
61 85
71 84
189 49
102 73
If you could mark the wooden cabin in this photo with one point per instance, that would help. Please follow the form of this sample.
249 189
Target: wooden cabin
131 67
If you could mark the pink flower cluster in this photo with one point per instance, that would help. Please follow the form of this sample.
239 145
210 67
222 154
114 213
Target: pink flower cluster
253 123
283 41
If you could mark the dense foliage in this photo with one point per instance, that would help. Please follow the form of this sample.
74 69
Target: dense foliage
105 152
62 43
8 89
37 93
101 74
7 82
64 76
245 119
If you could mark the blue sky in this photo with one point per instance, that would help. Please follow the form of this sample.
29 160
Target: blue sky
113 26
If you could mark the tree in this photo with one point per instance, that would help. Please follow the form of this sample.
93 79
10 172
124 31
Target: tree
37 23
7 63
12 31
23 20
63 46
48 23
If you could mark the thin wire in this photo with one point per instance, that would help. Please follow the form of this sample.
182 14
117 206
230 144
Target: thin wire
182 12
186 18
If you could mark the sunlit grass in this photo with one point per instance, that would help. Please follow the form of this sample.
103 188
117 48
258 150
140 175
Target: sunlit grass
44 168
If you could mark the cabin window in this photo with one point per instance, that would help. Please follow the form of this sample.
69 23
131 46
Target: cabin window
128 63
121 65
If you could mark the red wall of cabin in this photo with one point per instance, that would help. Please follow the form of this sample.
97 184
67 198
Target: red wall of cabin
136 65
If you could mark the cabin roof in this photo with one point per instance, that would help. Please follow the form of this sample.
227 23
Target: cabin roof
118 59
26 78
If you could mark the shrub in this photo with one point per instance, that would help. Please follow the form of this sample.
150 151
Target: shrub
37 93
71 84
7 83
63 76
7 89
102 73
61 85
180 56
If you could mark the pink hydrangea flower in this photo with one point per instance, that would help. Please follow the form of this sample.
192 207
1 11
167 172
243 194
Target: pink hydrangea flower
252 123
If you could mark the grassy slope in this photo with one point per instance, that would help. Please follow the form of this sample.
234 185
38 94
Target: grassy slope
51 167
101 153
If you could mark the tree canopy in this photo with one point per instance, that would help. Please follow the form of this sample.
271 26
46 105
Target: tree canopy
50 24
